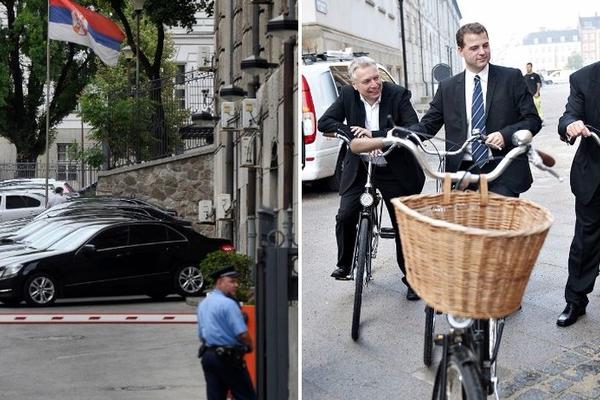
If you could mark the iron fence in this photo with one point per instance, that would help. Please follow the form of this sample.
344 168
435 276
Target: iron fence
70 172
161 119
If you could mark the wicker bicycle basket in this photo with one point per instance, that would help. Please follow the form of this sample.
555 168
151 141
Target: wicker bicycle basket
470 253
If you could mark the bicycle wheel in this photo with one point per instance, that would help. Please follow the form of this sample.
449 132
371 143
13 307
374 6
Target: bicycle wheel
428 338
362 245
463 380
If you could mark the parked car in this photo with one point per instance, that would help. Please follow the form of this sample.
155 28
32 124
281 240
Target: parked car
322 77
40 182
560 76
110 259
16 204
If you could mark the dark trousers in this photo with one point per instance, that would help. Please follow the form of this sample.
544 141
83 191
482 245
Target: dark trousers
221 376
584 256
349 212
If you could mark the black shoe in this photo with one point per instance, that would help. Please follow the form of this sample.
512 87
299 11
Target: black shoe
411 295
570 315
340 273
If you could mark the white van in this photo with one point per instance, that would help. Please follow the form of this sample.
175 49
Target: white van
322 77
560 76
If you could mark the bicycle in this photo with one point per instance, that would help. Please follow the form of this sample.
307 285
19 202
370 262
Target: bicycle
470 348
369 231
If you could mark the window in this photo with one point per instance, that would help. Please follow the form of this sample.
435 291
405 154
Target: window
67 168
142 234
13 202
174 236
112 237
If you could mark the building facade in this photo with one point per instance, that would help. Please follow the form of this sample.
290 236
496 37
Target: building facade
375 27
589 32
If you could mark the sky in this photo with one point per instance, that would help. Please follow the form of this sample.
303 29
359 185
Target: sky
508 21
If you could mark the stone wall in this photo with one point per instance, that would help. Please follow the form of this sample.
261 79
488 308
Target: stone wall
177 183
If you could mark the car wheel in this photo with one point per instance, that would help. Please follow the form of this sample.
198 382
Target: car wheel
40 290
189 281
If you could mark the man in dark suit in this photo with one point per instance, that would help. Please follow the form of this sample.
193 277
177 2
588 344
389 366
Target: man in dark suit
365 106
583 107
508 107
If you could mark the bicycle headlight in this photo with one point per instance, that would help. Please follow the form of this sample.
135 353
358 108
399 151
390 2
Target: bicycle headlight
366 199
10 270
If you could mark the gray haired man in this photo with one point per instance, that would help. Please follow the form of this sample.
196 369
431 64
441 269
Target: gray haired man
362 109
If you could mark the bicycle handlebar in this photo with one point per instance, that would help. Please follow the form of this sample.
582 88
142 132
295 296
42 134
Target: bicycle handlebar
521 140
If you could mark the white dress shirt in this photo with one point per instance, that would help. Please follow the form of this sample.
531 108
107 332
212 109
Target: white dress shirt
470 85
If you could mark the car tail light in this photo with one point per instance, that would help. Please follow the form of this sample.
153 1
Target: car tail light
227 247
309 122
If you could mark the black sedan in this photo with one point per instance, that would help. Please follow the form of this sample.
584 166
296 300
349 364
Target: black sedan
110 259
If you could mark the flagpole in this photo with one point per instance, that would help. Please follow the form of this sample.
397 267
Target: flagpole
47 100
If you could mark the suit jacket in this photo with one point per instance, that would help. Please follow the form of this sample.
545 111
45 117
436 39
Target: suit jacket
584 104
508 108
395 101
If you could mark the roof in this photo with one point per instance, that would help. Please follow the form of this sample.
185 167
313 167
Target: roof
554 36
589 22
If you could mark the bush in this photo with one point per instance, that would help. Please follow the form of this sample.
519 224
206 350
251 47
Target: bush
242 263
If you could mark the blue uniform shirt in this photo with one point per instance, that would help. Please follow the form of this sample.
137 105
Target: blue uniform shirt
220 320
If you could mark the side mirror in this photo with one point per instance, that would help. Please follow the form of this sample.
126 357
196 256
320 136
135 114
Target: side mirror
88 249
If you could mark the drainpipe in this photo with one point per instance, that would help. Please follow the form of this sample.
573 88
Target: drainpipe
288 121
422 55
402 33
251 187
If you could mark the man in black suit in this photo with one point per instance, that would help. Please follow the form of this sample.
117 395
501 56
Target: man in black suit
508 108
487 97
583 107
365 106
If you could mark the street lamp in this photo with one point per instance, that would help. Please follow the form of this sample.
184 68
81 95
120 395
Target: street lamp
138 5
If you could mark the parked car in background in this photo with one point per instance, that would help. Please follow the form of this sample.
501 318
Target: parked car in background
110 258
322 77
560 76
16 204
39 183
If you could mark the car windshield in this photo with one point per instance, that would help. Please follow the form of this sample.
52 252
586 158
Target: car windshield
76 238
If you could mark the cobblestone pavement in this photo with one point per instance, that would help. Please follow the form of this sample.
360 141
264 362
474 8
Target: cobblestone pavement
573 375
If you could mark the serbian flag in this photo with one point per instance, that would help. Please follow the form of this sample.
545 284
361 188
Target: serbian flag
71 22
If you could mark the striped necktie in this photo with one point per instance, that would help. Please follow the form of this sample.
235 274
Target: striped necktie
479 150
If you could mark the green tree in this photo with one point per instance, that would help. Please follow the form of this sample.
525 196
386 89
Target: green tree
575 61
23 36
159 14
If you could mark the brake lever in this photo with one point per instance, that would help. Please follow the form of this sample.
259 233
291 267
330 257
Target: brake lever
543 161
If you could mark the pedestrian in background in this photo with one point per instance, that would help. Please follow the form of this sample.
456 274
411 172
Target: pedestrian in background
56 197
534 86
224 336
583 107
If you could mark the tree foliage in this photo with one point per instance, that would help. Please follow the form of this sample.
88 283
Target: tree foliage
23 77
23 36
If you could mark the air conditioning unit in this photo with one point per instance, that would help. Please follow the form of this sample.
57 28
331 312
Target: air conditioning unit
247 152
206 212
223 206
228 115
249 114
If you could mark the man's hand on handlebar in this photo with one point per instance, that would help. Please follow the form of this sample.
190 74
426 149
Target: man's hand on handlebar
360 132
495 140
577 128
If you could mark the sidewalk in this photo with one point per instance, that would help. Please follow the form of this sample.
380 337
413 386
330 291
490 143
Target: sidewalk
537 359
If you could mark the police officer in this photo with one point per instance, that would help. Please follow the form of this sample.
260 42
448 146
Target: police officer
225 339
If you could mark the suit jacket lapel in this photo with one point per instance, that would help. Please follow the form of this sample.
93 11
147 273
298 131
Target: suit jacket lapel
359 113
459 96
385 108
491 89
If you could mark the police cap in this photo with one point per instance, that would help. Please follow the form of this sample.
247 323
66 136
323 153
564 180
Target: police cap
227 271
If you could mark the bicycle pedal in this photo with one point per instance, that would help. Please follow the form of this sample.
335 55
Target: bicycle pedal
387 233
